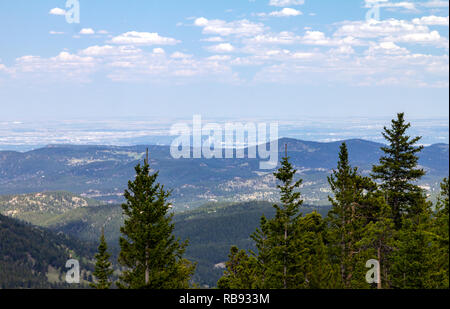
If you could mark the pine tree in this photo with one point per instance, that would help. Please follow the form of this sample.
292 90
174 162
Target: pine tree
149 251
261 239
348 215
440 274
377 241
414 257
103 269
316 269
398 171
283 268
241 271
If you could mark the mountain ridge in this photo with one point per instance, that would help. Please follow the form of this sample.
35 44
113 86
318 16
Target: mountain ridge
102 172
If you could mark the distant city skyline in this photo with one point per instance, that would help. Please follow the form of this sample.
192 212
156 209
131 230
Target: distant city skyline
273 59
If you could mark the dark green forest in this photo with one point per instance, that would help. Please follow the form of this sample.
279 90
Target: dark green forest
33 257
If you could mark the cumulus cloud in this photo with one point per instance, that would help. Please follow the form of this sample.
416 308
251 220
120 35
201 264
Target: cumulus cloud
282 38
392 5
221 48
286 12
108 50
159 51
394 30
65 66
143 38
240 28
432 21
387 48
87 31
180 55
430 37
284 3
57 11
436 4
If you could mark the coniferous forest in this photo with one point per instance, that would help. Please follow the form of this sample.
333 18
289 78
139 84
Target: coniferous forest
382 232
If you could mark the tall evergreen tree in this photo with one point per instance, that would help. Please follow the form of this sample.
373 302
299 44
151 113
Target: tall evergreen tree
398 170
149 251
103 269
348 214
316 269
440 275
261 239
422 256
413 258
278 262
283 268
377 241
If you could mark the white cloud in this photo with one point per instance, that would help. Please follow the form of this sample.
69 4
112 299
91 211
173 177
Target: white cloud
392 5
286 12
158 51
284 3
180 55
393 30
343 50
63 67
221 48
87 31
375 29
431 37
201 22
57 11
108 50
219 58
143 38
302 55
282 38
387 48
315 37
432 21
240 28
55 32
436 4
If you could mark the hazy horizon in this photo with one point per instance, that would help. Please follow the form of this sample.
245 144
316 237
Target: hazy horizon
28 135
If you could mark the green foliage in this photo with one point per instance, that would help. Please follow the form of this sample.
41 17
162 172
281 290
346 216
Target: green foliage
291 251
103 268
385 217
149 251
350 212
390 222
440 230
30 256
283 270
421 260
398 170
241 271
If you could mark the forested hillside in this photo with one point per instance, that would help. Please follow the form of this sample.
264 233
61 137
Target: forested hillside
101 172
33 257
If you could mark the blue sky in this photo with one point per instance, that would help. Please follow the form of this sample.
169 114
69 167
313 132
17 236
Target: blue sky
224 58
